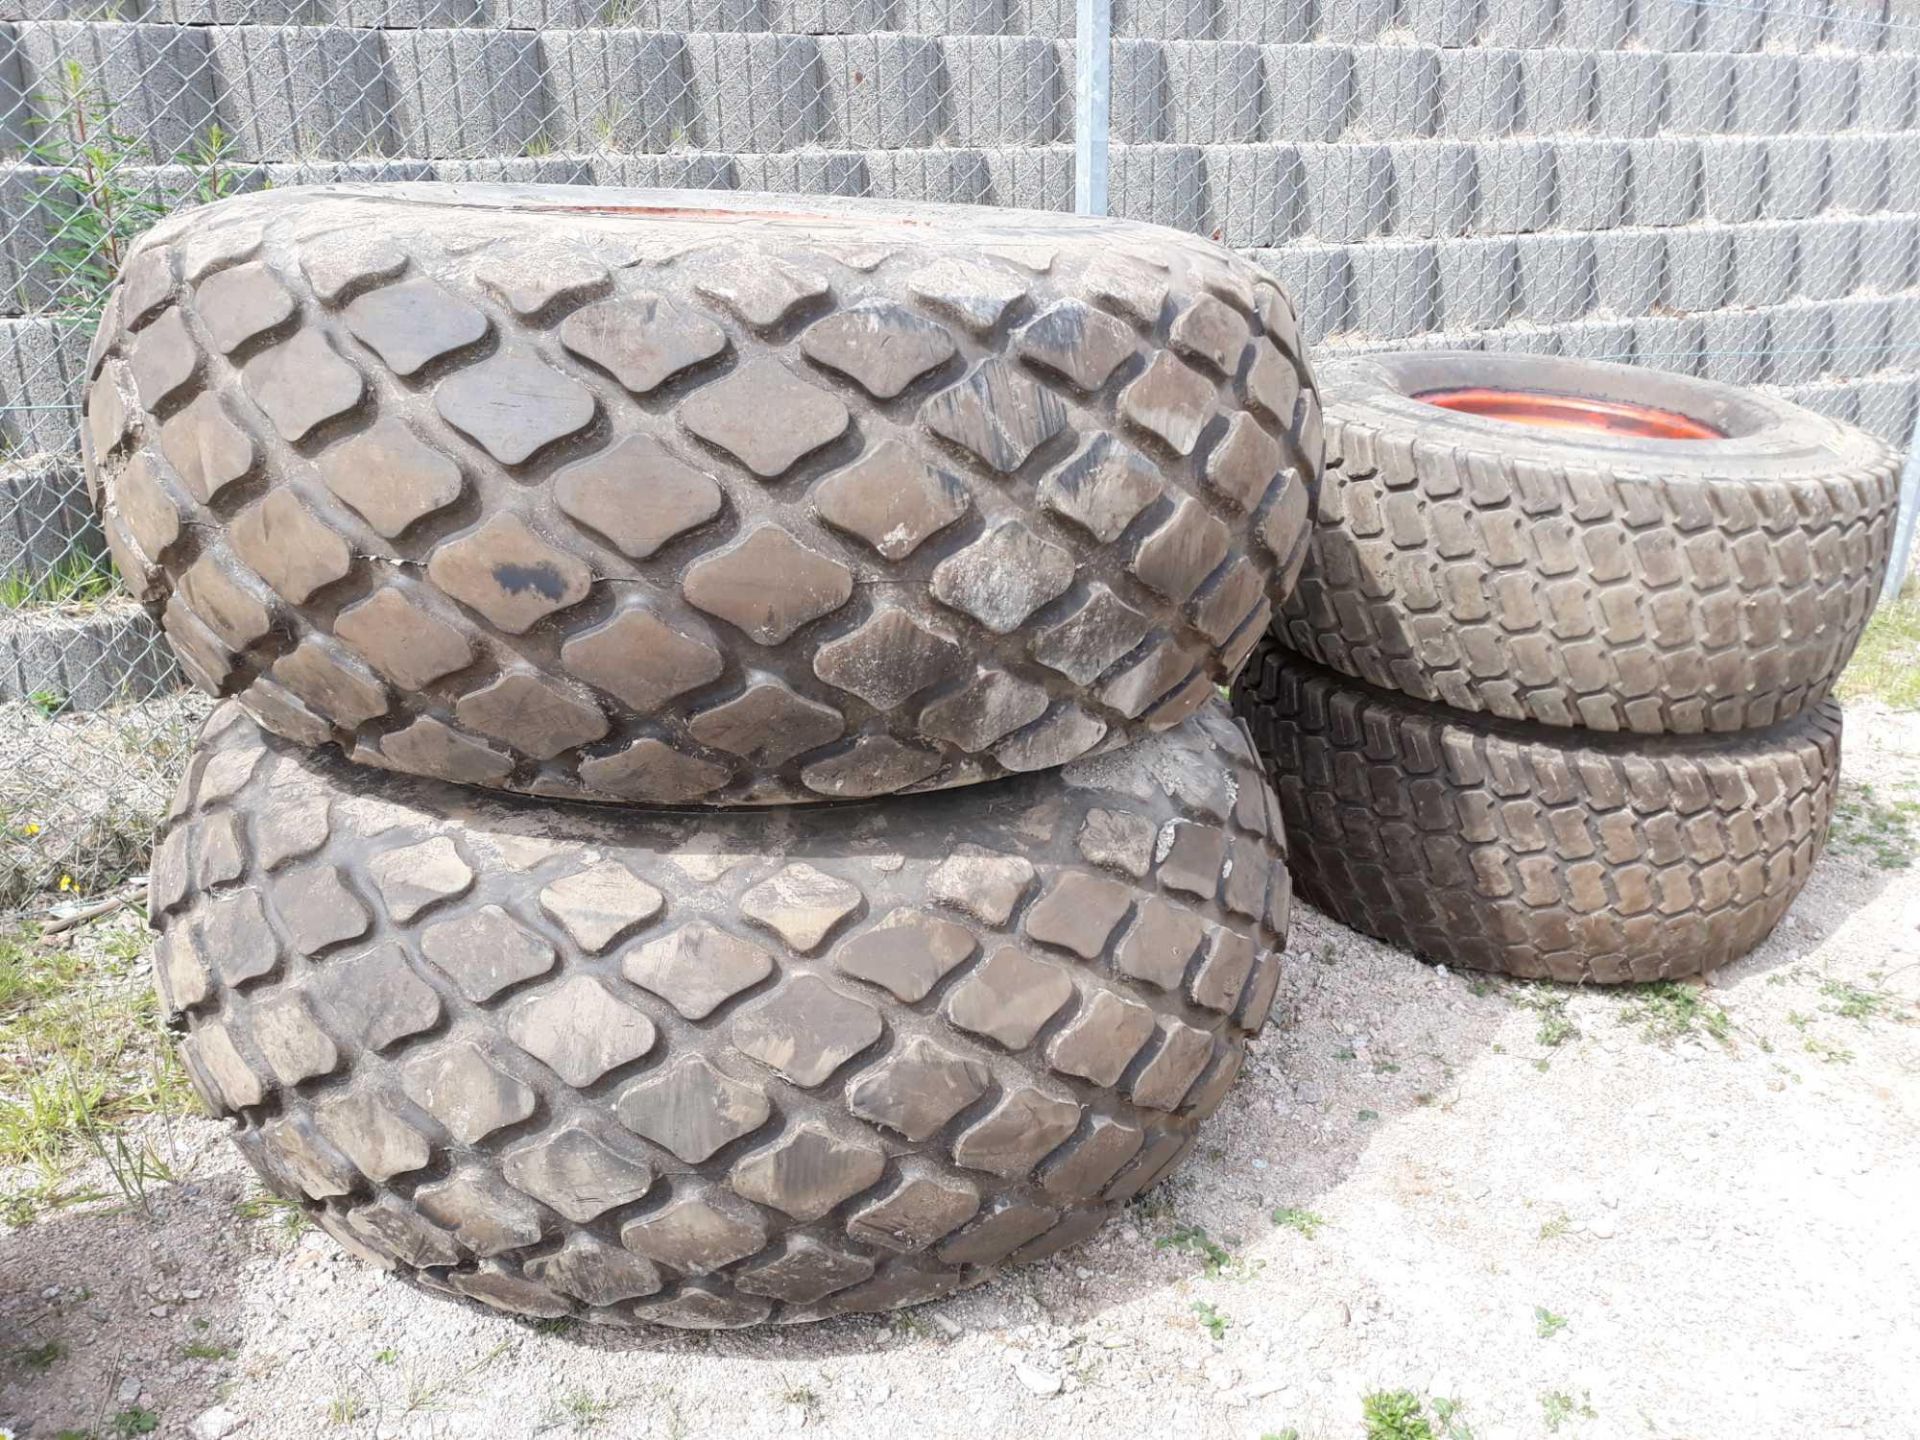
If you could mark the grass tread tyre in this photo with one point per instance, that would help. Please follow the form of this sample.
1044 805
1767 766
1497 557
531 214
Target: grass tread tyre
677 496
1576 579
1533 851
712 1068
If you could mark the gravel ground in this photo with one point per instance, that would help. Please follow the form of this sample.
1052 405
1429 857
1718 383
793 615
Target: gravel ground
1682 1213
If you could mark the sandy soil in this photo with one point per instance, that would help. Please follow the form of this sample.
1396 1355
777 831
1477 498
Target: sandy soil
1646 1229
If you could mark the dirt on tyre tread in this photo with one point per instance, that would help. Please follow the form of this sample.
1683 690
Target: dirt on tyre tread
725 506
1534 851
1674 589
711 1068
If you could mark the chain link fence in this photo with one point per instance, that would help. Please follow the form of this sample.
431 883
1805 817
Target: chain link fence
1727 189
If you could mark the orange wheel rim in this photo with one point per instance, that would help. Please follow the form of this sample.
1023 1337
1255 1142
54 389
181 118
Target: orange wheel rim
1571 412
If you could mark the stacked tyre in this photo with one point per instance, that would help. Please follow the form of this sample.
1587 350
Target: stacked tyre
1551 697
937 531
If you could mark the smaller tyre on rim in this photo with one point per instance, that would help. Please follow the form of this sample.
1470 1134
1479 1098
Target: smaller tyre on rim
1591 545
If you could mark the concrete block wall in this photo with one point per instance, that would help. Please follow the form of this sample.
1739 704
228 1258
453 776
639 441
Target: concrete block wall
1726 187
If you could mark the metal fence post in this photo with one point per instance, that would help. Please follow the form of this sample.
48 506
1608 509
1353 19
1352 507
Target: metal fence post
1092 77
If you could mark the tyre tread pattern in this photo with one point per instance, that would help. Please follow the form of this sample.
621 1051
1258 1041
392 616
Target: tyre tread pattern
712 1068
1606 598
678 508
1536 852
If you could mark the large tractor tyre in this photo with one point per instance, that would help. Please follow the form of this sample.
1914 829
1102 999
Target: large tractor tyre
1526 850
712 1068
676 496
1592 545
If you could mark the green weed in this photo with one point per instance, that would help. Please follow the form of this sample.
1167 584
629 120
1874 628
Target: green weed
71 580
1885 833
1212 1320
1304 1221
1669 1009
1557 1408
1546 1324
1395 1415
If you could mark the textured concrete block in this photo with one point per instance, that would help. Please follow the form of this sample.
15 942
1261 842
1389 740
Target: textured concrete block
1792 28
1595 24
810 172
90 658
436 14
16 129
1888 252
1798 340
1353 20
1765 92
1256 192
1857 171
518 170
1887 89
1396 90
1140 106
1733 174
1832 398
465 94
1860 331
1630 92
1596 340
1480 93
1668 342
1796 176
158 78
1829 261
1433 188
1826 92
279 174
1629 270
754 92
1699 94
1514 182
954 17
1556 91
203 12
41 366
1169 20
1308 91
620 90
1590 183
46 520
1449 23
1903 173
1479 283
1349 190
1164 184
1523 24
1556 276
1666 182
1732 28
1214 89
1032 177
1667 26
1053 19
1396 288
1260 22
1733 346
289 92
1699 268
1766 258
883 92
1903 331
1862 24
829 17
958 177
1005 90
1320 280
683 170
1884 406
